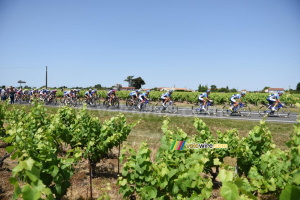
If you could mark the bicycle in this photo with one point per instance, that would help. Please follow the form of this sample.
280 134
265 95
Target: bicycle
281 111
170 107
93 102
146 106
241 109
130 105
114 102
209 108
69 101
52 100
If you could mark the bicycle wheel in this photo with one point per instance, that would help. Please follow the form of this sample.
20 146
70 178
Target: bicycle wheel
211 110
148 107
55 101
157 107
264 111
226 111
105 103
62 101
74 102
245 111
115 103
129 104
283 112
173 108
97 103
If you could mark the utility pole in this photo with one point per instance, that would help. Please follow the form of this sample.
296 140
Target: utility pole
46 77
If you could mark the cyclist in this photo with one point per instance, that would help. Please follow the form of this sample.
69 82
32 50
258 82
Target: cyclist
110 95
203 97
166 97
19 93
94 93
52 94
134 95
88 95
233 101
143 97
274 98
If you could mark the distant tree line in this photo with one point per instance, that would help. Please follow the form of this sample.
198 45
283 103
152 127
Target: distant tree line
213 88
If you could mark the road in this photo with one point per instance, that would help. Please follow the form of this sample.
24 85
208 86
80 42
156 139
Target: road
187 112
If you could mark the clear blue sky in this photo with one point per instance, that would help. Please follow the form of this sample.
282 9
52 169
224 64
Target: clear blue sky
246 44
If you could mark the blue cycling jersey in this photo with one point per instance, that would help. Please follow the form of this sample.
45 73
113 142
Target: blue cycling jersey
203 95
132 93
143 95
235 96
166 95
273 97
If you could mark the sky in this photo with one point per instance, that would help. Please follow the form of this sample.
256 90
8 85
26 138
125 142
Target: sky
241 44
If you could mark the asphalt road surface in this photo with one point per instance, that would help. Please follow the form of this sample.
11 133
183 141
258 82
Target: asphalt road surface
187 112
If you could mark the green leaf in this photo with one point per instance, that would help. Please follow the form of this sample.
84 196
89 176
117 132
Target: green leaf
217 161
229 191
54 171
149 192
10 149
28 193
31 176
290 192
296 178
225 176
29 163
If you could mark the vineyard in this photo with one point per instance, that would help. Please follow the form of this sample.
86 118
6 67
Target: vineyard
192 97
48 146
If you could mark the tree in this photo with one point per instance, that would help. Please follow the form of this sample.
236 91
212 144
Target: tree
298 87
137 82
202 88
213 88
98 86
224 89
129 80
233 90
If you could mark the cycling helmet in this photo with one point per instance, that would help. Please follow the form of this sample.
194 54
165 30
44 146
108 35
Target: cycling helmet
243 93
170 91
148 91
95 90
114 90
207 91
54 90
90 89
137 90
280 92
